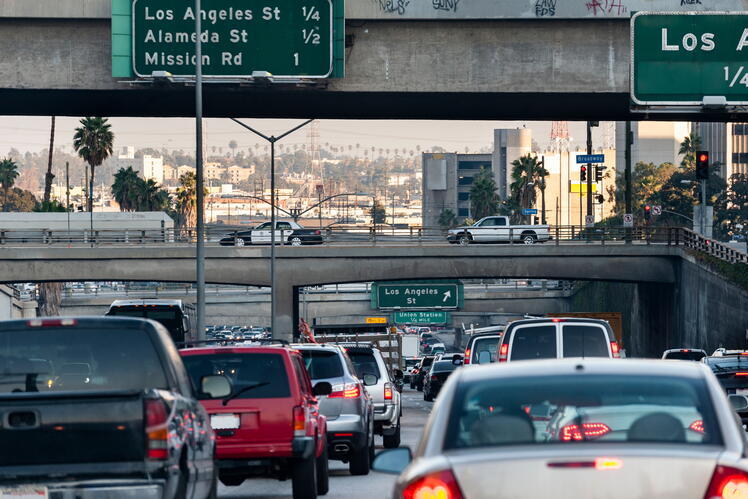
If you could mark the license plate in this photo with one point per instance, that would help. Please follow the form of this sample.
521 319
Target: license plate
741 391
222 422
24 492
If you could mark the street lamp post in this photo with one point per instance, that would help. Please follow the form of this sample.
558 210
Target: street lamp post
199 182
273 202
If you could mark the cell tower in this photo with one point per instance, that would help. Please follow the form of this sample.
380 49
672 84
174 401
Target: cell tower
315 161
560 136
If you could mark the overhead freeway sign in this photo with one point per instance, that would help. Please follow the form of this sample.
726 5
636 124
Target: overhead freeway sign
683 58
287 38
417 295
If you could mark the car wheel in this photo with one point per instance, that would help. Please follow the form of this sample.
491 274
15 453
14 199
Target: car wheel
304 479
323 473
360 463
232 481
427 396
239 241
392 441
465 239
419 387
213 493
529 238
294 241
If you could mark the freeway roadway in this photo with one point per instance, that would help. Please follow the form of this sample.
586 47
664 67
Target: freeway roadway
342 484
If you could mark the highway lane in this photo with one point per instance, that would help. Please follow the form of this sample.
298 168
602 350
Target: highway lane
342 484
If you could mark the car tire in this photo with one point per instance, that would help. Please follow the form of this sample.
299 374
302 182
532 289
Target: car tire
419 387
529 238
360 460
304 478
323 473
427 396
239 241
295 241
392 441
232 481
465 239
213 493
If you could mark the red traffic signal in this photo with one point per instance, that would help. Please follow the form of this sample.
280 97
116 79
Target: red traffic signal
583 173
702 165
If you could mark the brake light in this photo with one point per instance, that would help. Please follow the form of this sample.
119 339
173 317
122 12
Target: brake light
299 421
51 322
697 426
615 349
727 483
685 350
439 485
387 391
591 431
467 357
556 320
317 233
433 377
744 353
156 418
741 374
347 391
503 352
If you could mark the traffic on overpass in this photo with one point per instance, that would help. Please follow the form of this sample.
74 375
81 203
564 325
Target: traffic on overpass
396 249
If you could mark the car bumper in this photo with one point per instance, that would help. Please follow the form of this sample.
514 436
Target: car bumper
386 414
344 434
94 489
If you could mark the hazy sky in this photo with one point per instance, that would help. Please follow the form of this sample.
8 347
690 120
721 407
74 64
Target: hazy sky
31 133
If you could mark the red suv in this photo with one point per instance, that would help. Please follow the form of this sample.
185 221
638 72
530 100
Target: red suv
270 425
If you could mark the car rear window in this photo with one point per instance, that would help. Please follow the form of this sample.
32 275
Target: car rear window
584 341
78 359
260 375
443 366
365 363
322 364
690 355
534 342
489 344
604 409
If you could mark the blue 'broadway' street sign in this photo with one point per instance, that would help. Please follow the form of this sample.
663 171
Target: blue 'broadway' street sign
590 158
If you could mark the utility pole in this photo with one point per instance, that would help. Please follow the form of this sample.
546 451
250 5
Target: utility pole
589 170
67 196
542 191
199 181
629 193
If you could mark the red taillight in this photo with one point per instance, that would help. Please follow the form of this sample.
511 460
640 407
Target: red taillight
317 233
741 374
347 391
685 350
433 377
299 421
439 485
591 431
387 391
697 426
51 322
557 320
467 357
156 418
727 483
615 350
503 352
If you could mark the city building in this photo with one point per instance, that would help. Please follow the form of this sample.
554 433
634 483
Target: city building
727 144
654 141
149 167
181 170
170 174
238 174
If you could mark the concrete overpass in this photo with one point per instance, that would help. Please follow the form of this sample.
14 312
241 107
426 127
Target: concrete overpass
56 59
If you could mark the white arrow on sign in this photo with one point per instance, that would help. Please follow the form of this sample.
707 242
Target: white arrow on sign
447 294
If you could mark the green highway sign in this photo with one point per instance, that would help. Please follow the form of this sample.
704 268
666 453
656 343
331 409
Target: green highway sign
680 58
421 317
287 38
415 295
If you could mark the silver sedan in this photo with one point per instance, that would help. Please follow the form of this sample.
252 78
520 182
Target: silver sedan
577 428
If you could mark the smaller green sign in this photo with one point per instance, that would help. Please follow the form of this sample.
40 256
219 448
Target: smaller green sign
421 317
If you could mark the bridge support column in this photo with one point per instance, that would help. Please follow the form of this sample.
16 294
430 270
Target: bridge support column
286 297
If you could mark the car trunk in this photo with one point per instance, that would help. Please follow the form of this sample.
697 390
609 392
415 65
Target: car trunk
662 471
254 421
331 407
72 428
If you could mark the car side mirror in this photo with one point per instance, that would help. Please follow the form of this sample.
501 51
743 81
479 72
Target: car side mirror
322 388
739 403
399 374
392 461
484 357
215 386
370 380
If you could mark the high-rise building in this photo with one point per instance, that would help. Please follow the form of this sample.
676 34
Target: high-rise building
727 144
654 141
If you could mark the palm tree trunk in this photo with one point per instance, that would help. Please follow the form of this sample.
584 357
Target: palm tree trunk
49 177
50 297
90 189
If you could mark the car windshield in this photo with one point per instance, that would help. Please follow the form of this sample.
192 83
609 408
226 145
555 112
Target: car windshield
685 355
489 345
266 371
571 409
322 364
732 363
78 359
365 363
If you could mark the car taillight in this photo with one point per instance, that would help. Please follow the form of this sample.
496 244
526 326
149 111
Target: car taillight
387 391
51 322
615 350
156 431
467 357
591 431
433 377
347 391
439 485
503 352
299 421
317 233
727 483
697 426
741 374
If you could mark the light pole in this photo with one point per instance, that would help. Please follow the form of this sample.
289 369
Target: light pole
273 202
199 182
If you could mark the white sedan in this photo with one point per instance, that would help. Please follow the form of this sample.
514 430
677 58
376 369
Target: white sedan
577 428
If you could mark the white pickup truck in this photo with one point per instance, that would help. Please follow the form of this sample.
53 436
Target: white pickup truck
498 230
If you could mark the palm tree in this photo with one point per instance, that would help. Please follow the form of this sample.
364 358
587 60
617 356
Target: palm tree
124 188
147 195
49 177
187 200
483 198
233 145
527 174
93 141
688 149
8 176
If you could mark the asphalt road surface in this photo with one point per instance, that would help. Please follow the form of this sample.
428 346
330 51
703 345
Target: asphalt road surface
342 484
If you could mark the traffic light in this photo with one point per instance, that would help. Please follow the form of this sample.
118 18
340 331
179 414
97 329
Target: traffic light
600 198
599 173
583 173
702 165
647 212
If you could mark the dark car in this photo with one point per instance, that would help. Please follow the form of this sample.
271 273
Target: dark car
423 369
285 233
731 371
437 376
101 407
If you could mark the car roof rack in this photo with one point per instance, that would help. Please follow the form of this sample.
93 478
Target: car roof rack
222 342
